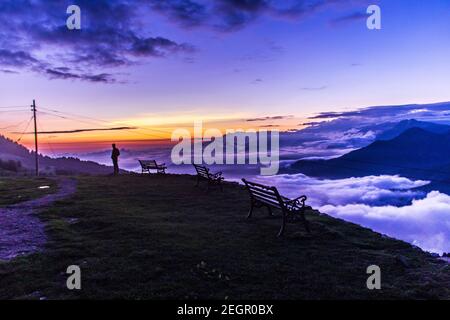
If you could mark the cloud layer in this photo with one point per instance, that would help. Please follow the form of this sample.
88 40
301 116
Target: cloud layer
371 190
425 223
386 204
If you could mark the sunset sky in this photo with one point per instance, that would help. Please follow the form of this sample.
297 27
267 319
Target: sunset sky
159 65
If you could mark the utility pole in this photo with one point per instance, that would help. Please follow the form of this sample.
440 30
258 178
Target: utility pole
36 156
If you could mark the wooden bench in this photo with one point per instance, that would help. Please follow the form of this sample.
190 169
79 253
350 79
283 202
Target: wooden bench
148 165
269 197
203 173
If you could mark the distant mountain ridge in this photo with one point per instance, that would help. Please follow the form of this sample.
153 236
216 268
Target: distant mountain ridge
404 125
16 159
415 153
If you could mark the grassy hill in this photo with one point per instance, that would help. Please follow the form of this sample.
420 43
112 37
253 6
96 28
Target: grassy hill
157 237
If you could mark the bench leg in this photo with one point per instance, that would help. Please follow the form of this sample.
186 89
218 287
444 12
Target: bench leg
269 209
250 212
283 225
305 222
198 181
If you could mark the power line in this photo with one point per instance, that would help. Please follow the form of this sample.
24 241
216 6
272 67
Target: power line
71 117
12 111
14 125
36 155
26 128
13 107
104 121
47 141
106 127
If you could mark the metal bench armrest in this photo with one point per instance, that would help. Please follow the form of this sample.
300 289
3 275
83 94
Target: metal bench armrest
297 202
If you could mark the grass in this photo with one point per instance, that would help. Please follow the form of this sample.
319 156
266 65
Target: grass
15 190
159 237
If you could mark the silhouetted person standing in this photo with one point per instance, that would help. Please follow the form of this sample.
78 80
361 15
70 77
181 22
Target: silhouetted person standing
115 159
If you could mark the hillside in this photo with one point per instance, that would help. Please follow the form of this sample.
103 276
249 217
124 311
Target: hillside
158 237
416 153
11 152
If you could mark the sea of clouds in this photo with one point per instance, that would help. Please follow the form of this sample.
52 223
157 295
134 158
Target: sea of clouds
387 204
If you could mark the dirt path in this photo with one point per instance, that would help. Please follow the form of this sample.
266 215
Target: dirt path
21 231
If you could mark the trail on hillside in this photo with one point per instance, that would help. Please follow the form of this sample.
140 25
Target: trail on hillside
21 231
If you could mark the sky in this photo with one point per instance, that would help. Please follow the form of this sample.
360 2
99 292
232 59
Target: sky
146 67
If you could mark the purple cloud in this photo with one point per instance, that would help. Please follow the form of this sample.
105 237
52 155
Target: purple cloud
355 16
114 34
269 118
110 37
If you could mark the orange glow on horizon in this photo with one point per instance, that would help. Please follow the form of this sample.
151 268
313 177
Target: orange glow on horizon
143 131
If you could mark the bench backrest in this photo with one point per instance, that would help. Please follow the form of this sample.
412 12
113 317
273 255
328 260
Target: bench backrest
202 171
148 164
264 194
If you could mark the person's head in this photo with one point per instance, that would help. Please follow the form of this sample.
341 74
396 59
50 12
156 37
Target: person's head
114 145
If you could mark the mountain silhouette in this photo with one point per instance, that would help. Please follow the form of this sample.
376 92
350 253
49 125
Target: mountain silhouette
416 154
404 125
